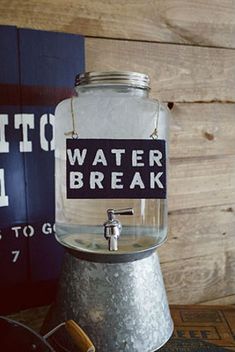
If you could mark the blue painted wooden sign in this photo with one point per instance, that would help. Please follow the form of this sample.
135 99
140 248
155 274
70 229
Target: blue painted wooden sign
37 71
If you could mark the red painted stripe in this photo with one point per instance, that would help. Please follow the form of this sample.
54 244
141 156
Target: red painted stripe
13 94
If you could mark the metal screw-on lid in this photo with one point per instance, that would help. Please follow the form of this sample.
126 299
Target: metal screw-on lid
121 78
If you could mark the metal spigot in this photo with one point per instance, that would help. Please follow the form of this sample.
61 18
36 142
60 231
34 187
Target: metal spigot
113 227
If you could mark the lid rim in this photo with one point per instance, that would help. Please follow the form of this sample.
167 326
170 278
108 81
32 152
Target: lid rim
125 78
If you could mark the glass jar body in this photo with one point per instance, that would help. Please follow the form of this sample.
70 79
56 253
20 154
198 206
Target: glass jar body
108 112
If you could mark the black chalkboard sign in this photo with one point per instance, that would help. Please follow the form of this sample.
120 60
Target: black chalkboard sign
116 168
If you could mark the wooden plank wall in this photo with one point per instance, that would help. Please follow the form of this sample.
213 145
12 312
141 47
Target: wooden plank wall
188 48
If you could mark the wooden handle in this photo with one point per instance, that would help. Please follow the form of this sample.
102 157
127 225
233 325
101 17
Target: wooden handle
79 337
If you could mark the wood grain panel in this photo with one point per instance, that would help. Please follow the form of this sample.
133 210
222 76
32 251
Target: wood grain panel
201 182
199 232
202 130
178 73
201 278
209 23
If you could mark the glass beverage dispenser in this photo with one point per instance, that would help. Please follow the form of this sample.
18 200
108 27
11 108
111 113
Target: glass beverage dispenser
111 211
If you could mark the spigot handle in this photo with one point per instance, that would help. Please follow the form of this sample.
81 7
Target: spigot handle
124 211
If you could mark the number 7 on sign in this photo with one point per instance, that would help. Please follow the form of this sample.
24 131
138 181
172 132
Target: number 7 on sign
15 256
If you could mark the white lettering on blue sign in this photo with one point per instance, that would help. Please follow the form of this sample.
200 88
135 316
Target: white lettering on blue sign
4 145
4 201
26 124
44 121
26 121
